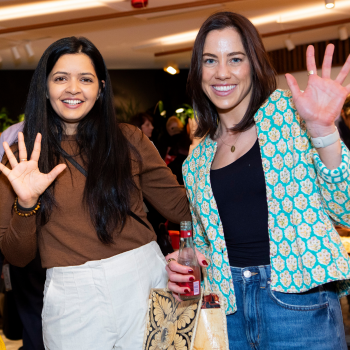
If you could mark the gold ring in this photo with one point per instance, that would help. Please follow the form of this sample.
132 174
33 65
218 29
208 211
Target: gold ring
171 259
23 160
310 72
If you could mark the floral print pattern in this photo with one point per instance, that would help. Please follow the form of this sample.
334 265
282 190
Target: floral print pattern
304 200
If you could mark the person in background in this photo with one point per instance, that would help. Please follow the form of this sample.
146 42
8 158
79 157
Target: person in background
144 122
10 136
27 282
265 186
73 187
344 123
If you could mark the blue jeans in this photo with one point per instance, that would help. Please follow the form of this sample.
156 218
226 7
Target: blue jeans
269 320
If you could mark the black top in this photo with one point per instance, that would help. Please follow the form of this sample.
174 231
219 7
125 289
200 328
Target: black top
344 132
240 193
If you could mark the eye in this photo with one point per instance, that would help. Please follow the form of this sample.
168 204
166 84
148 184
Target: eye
87 80
236 60
209 61
59 79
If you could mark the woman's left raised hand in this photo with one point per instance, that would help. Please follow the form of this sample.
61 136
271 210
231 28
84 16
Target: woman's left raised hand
322 101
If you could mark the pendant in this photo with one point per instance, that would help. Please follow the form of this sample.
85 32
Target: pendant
233 148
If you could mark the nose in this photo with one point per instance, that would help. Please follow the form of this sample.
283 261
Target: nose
73 87
223 71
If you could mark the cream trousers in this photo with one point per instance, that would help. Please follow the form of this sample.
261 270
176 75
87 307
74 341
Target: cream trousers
102 305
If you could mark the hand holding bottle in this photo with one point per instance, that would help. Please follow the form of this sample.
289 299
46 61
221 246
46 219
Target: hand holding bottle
184 267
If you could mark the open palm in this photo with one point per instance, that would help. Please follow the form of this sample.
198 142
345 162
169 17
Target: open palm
321 102
25 177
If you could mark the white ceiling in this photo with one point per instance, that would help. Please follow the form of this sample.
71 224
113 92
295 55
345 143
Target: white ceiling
130 42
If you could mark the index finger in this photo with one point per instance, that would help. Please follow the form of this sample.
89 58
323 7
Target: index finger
174 266
310 60
37 148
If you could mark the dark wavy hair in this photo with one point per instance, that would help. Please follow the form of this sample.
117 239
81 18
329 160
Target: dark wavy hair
140 118
101 143
263 74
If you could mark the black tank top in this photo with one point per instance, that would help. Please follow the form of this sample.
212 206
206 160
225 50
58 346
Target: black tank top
240 193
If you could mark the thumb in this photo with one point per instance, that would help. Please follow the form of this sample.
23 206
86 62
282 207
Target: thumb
293 86
51 176
201 259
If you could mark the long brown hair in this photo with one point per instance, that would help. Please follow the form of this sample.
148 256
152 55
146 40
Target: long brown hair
263 74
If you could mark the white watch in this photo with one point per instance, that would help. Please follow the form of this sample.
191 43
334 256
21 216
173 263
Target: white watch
320 142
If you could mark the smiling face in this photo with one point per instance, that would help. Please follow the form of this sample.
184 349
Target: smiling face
73 88
226 72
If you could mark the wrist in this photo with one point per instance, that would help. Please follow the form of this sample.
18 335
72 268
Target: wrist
27 204
320 130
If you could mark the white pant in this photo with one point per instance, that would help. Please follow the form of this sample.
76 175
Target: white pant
102 305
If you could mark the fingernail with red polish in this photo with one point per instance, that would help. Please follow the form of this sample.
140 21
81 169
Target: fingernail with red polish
190 271
187 291
191 279
204 262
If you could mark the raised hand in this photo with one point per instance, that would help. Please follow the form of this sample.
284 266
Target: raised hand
321 102
25 177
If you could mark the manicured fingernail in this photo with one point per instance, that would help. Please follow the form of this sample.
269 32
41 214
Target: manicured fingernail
204 262
190 271
187 291
191 279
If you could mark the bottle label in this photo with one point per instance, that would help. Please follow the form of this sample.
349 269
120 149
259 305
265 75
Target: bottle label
196 288
186 234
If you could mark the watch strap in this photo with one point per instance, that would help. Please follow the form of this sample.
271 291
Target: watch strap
321 142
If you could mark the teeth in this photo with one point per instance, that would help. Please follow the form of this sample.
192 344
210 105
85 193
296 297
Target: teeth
223 87
72 102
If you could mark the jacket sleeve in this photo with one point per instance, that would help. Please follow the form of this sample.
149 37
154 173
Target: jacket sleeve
158 184
18 238
335 188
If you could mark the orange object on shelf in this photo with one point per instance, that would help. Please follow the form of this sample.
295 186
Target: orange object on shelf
175 238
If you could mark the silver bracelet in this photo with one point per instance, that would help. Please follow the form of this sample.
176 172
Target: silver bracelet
321 142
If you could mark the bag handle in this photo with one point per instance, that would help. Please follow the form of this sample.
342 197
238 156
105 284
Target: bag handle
84 172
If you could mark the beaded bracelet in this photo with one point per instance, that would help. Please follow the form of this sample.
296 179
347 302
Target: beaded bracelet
31 213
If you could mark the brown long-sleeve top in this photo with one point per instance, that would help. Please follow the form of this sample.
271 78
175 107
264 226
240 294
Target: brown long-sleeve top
69 237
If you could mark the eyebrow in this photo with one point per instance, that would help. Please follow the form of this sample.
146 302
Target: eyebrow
69 73
230 54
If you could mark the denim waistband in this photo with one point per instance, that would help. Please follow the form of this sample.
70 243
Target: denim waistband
252 274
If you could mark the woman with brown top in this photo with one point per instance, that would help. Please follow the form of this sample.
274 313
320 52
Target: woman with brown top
74 187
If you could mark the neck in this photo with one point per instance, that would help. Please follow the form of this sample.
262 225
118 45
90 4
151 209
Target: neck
70 128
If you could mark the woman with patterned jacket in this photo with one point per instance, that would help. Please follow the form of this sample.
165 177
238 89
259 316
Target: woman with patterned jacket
265 186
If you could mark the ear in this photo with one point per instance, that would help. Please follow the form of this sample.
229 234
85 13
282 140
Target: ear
99 90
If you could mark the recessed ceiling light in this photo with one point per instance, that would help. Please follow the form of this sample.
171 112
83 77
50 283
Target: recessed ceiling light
171 70
329 4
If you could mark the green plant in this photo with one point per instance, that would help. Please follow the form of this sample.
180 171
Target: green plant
5 120
125 110
184 112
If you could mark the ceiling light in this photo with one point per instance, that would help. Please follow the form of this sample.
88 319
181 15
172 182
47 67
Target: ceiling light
171 70
289 44
46 7
329 4
163 113
343 33
15 53
180 110
29 50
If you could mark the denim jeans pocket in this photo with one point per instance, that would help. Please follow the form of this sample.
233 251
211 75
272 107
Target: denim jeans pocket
314 299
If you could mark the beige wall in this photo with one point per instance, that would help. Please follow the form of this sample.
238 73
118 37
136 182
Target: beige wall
301 78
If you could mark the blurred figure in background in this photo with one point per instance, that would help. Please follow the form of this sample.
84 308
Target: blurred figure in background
27 282
344 123
144 122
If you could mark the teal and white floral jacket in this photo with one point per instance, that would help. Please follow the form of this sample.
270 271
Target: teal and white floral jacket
304 200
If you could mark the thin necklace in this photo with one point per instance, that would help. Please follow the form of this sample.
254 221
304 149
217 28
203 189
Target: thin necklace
233 148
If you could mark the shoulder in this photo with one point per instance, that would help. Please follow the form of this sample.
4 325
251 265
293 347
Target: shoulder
278 109
10 134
